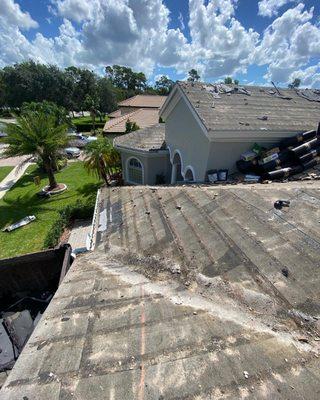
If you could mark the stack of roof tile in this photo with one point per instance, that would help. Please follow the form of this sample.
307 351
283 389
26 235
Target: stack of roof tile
292 156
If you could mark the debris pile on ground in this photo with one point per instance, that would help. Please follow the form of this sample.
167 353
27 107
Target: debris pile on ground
17 323
291 157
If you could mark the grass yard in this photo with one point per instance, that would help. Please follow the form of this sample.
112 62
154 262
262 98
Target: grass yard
4 171
22 200
87 120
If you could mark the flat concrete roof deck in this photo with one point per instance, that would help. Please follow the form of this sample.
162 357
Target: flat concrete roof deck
186 297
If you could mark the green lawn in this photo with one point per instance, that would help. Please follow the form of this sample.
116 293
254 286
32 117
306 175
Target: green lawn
22 200
87 120
4 171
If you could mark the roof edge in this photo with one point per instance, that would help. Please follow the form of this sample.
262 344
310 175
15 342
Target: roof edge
156 152
256 135
177 89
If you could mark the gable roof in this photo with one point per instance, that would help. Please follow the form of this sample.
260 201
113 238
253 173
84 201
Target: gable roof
144 117
143 101
147 139
250 108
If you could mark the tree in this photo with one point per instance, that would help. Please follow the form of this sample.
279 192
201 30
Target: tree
84 83
108 95
30 81
2 90
125 78
236 82
48 108
295 84
102 159
91 104
131 126
228 80
193 75
164 85
38 134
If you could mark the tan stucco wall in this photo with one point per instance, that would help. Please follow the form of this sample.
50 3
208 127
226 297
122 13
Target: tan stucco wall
153 165
225 154
184 134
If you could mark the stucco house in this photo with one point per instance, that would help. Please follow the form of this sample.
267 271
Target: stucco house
208 126
145 158
142 109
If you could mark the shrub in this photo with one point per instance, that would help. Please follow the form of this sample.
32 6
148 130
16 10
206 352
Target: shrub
61 162
131 126
78 210
88 127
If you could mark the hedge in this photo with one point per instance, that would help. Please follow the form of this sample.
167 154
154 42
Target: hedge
78 210
88 127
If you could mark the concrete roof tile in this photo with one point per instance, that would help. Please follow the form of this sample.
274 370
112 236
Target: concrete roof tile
237 111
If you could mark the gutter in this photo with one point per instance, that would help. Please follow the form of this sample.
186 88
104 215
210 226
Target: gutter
140 151
91 239
245 135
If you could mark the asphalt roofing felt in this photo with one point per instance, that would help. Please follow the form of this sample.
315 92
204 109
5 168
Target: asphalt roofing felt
191 293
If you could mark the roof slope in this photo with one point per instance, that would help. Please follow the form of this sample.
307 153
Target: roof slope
243 112
114 114
147 139
143 117
125 324
143 101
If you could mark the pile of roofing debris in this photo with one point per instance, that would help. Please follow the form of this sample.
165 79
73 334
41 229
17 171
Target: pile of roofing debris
17 323
220 88
293 156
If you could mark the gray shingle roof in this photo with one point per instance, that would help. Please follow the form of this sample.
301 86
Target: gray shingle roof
148 139
242 112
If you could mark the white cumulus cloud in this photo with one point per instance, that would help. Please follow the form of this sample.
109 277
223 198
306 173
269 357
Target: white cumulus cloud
11 14
310 76
268 8
137 33
289 44
220 44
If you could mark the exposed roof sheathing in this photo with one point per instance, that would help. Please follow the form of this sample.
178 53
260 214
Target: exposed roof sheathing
143 101
186 298
242 112
147 139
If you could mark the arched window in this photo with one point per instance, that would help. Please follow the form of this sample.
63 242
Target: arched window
176 174
135 171
189 177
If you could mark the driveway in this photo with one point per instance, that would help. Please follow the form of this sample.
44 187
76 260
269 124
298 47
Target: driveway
12 178
11 161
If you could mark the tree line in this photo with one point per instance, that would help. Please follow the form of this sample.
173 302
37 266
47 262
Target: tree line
75 89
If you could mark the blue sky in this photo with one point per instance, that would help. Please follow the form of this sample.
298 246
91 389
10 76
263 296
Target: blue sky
255 41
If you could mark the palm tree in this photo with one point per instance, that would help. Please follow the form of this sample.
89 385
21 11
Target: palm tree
102 159
37 134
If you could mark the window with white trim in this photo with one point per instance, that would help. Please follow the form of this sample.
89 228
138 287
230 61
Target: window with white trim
135 173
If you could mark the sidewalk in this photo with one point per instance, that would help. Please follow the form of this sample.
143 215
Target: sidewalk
12 178
79 235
